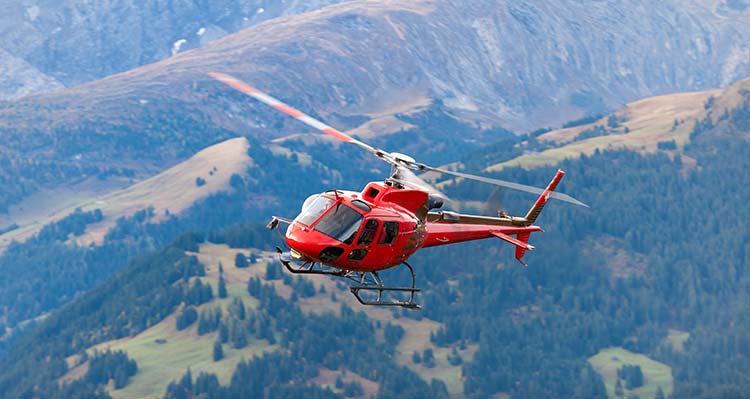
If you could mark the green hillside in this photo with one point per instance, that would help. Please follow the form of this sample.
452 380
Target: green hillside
646 126
171 191
163 353
655 375
648 269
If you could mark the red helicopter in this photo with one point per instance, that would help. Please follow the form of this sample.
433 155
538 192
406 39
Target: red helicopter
358 234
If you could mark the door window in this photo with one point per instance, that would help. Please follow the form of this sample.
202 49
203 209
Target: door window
368 233
390 231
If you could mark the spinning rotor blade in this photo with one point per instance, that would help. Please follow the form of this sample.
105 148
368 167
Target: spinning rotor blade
402 163
406 177
242 87
503 183
493 203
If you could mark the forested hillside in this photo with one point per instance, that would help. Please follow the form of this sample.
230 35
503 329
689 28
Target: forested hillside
657 266
262 189
519 65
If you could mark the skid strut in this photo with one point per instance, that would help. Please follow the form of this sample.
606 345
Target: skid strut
371 281
366 282
308 267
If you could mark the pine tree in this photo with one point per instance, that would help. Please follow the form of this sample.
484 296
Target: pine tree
428 358
121 378
187 380
240 260
454 358
223 333
222 286
218 351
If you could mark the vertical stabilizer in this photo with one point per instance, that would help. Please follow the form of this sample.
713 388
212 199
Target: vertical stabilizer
542 201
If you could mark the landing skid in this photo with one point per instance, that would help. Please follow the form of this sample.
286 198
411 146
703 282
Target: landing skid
366 282
371 281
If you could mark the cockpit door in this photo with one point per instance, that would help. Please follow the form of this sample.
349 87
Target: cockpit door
366 237
374 244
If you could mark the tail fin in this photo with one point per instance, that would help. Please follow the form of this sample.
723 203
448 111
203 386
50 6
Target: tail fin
520 251
539 204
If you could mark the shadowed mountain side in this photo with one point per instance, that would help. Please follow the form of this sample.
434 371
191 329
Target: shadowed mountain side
169 192
512 63
75 41
509 64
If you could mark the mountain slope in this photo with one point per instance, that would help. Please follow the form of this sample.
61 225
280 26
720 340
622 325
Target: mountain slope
163 352
169 192
510 64
469 54
74 41
648 125
657 267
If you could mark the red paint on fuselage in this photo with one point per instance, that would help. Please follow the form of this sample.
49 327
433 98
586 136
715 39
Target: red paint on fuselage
384 250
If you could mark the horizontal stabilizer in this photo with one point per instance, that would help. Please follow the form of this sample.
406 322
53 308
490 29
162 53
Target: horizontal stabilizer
518 243
521 243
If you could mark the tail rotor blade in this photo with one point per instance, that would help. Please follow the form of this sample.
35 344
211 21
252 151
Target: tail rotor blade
494 202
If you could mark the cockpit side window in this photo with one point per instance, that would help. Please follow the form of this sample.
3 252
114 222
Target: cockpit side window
368 233
313 207
390 231
340 223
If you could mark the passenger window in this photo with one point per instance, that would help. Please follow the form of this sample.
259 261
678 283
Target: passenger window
390 231
368 232
357 254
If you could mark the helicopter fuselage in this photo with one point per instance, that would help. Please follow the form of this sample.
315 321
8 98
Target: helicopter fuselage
355 235
381 227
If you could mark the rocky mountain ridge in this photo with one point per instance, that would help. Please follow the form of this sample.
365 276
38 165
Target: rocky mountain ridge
74 41
510 64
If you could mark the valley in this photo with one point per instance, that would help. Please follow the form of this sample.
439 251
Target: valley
135 190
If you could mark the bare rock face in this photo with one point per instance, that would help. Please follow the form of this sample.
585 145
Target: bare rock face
521 64
76 41
517 64
18 78
541 62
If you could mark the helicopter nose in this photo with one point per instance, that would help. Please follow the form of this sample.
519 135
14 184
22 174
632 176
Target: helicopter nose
308 244
301 248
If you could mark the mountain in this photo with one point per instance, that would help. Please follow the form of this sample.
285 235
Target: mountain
653 277
647 125
505 62
489 64
170 192
165 350
63 43
652 280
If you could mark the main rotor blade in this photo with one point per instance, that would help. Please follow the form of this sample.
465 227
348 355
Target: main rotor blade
392 158
503 183
243 87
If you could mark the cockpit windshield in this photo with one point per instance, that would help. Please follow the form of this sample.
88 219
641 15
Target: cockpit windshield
341 223
313 207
